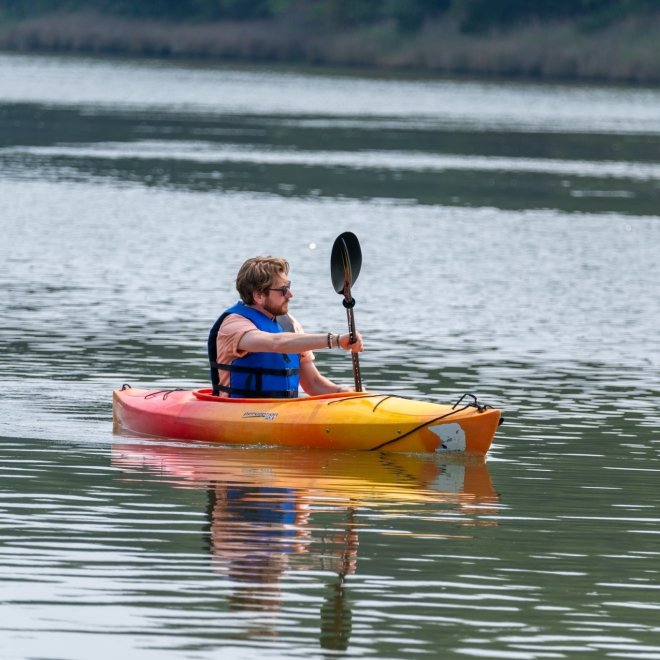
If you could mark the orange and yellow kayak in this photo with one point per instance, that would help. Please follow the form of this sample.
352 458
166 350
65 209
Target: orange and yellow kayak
345 421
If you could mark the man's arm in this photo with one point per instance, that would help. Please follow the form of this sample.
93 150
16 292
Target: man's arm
257 341
314 383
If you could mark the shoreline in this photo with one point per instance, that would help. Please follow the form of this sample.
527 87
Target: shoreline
627 52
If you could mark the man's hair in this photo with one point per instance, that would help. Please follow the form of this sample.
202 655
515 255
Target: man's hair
257 275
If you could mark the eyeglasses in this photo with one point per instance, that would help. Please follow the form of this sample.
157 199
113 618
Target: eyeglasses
284 290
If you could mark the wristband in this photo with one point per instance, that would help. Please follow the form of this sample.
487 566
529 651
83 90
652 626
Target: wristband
329 340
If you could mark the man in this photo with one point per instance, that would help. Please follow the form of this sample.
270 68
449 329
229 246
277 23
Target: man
257 350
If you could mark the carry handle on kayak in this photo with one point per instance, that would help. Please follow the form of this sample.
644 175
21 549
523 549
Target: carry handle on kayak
345 264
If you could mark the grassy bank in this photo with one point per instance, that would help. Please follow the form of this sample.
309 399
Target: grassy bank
626 51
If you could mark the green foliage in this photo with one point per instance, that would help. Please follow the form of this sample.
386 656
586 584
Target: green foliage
481 15
409 15
336 13
179 9
233 9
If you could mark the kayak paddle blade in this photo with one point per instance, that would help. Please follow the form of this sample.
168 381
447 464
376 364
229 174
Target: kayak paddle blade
345 261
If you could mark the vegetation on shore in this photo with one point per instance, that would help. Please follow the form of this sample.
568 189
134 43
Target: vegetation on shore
612 40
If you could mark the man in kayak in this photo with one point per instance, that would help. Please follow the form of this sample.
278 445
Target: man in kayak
258 350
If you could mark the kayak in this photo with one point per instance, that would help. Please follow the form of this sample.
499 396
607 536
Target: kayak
343 421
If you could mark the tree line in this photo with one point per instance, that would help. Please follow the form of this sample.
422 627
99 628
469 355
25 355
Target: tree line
474 16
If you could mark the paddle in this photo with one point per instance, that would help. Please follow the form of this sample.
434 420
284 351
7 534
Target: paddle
345 264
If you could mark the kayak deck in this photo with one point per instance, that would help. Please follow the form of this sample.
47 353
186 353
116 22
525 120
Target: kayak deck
343 421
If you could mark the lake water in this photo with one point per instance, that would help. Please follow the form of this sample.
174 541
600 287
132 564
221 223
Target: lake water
511 248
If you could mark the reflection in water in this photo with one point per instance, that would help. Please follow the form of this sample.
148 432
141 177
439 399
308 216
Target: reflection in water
254 533
271 512
336 614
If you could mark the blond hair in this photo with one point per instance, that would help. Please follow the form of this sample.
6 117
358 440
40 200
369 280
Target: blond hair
257 275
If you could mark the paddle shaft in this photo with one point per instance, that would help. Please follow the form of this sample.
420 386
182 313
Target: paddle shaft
351 330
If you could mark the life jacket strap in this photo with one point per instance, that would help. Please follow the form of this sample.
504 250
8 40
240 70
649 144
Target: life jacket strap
263 371
258 372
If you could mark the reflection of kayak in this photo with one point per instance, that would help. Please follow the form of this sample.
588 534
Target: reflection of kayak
322 475
274 511
356 420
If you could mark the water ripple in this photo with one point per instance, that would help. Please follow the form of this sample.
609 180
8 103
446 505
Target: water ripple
206 152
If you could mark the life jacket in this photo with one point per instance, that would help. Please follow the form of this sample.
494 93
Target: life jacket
256 375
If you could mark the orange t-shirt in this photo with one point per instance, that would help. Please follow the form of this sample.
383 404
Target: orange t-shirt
229 336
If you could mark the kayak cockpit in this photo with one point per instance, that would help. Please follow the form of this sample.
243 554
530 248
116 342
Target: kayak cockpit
206 394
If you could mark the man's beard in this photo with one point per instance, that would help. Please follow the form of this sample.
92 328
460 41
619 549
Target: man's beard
274 309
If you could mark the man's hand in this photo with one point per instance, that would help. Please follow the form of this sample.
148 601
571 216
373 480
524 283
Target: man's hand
345 342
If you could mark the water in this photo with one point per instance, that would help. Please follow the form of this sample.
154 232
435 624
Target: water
510 242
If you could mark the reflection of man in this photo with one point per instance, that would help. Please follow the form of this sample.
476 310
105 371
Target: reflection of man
248 521
256 349
254 533
253 530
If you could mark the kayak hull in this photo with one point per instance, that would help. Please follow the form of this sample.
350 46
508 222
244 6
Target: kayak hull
345 421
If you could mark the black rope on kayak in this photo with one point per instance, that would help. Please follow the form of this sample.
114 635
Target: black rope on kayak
421 426
475 402
125 386
481 407
165 393
385 398
351 398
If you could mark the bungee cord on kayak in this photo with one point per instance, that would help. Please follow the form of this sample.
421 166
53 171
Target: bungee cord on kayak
475 402
454 410
165 393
